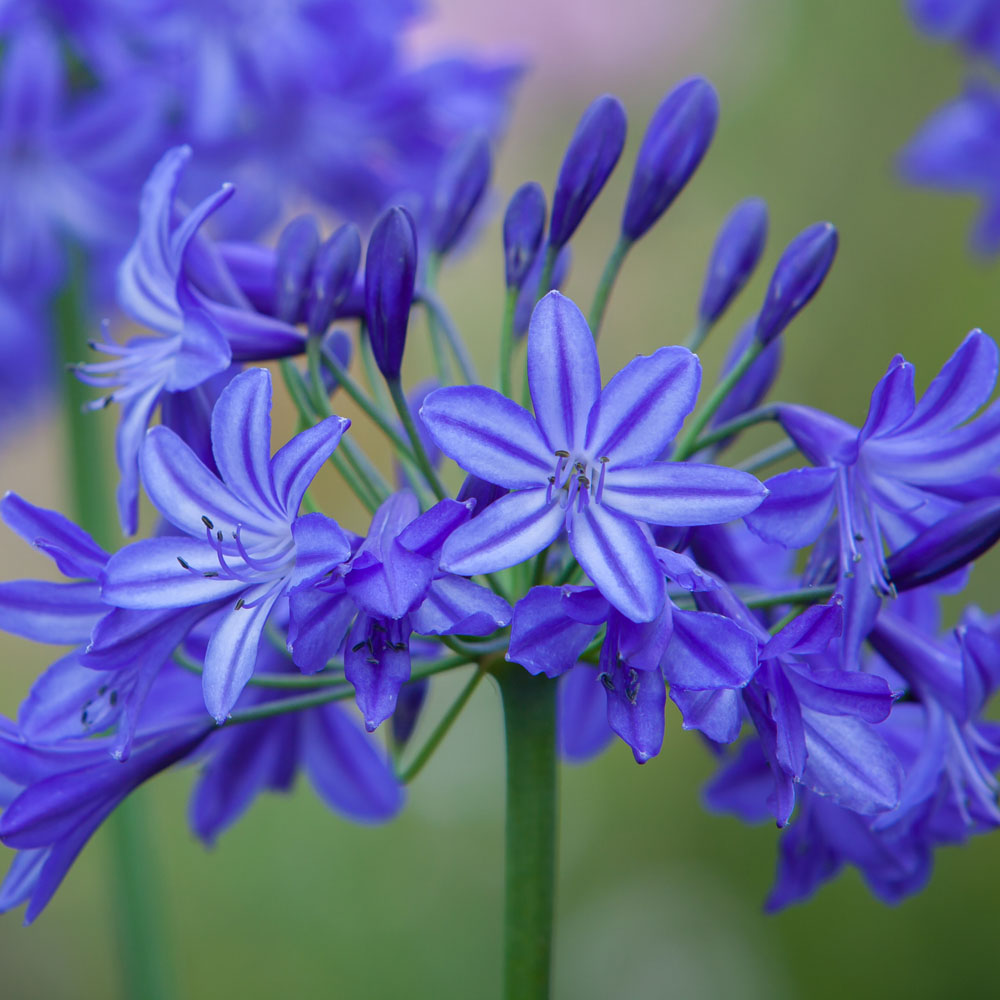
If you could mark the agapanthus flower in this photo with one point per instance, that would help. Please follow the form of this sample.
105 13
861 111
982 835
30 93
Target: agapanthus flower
972 24
243 543
392 586
957 150
199 335
347 769
587 461
898 474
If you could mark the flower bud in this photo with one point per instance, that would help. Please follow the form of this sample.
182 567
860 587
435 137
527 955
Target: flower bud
796 279
735 255
592 154
462 180
390 274
947 545
523 227
333 275
296 250
675 142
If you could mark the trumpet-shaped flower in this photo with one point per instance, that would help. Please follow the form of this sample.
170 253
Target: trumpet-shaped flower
586 460
246 543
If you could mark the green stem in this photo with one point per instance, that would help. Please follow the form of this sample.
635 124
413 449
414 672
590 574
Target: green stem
686 445
441 729
737 424
424 463
697 336
507 341
437 314
529 708
608 277
438 346
548 267
804 595
135 886
282 706
767 456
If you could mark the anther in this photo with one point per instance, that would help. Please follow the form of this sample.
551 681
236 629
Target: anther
608 683
239 604
562 454
184 562
600 483
207 521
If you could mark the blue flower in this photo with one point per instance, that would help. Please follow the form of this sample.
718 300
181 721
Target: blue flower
958 150
972 24
587 460
392 586
347 768
910 465
246 545
200 336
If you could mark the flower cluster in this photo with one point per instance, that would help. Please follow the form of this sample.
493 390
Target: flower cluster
304 101
593 533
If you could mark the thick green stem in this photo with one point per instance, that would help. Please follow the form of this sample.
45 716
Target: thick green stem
767 456
607 282
529 708
732 427
146 970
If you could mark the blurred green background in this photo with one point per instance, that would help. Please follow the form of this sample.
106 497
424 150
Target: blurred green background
657 898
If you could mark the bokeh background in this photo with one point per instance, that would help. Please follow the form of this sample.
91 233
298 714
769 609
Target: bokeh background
657 897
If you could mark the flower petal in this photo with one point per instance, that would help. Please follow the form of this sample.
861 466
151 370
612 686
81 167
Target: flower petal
582 719
57 613
797 508
510 530
232 653
543 638
642 408
811 632
682 493
347 768
619 559
489 436
563 372
456 606
636 700
296 463
320 546
709 651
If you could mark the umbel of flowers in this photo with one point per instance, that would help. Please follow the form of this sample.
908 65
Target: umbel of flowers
594 552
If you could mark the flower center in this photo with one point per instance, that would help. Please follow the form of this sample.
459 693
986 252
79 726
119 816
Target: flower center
580 479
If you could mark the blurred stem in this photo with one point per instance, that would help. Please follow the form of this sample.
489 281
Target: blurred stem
438 347
548 267
529 708
441 729
686 446
437 313
608 277
697 336
737 424
135 887
507 341
403 409
767 456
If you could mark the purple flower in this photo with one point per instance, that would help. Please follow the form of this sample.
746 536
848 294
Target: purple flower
346 768
957 150
892 479
587 460
246 546
972 24
463 179
200 335
523 228
392 586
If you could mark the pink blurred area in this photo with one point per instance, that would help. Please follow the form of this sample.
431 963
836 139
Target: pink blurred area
568 42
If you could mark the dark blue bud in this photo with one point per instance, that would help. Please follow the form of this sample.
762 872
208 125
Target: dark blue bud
947 545
333 276
296 250
528 296
390 274
801 270
461 183
735 255
592 154
679 133
337 345
408 706
523 228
